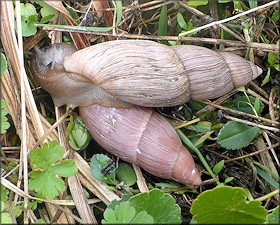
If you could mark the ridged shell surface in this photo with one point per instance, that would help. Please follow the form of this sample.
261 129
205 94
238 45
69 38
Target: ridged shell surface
151 142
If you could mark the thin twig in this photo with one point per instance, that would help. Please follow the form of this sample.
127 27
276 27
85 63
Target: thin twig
253 153
23 110
262 46
275 123
230 18
252 124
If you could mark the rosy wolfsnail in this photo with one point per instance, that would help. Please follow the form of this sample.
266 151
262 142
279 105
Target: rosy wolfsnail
106 81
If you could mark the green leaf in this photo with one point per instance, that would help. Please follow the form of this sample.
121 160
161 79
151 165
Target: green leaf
227 205
235 135
162 25
65 168
115 202
45 183
253 3
267 178
267 77
202 126
125 213
28 27
126 174
4 193
28 19
103 168
43 179
27 10
181 21
241 104
4 119
203 138
277 67
196 105
275 16
48 13
218 167
161 206
6 218
3 64
257 105
197 2
78 135
237 4
271 58
273 218
224 1
46 156
228 179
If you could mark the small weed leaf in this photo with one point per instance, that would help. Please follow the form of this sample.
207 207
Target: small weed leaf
4 193
235 135
126 174
48 155
197 2
241 104
28 19
77 134
43 179
161 206
48 13
227 205
4 119
218 167
3 64
103 169
45 183
181 21
273 218
125 213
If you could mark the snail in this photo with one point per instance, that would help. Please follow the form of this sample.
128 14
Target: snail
114 82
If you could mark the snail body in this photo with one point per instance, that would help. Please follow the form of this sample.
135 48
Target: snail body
107 80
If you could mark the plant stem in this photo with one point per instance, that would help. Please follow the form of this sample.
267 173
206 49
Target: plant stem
200 156
269 195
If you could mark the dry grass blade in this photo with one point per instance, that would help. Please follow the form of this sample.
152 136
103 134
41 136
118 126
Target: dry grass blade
80 40
11 84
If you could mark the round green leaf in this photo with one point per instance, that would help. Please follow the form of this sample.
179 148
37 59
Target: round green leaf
227 205
273 218
235 135
27 10
6 218
125 213
101 169
126 174
161 206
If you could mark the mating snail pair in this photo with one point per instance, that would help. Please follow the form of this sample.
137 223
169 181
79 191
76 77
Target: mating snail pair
112 83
